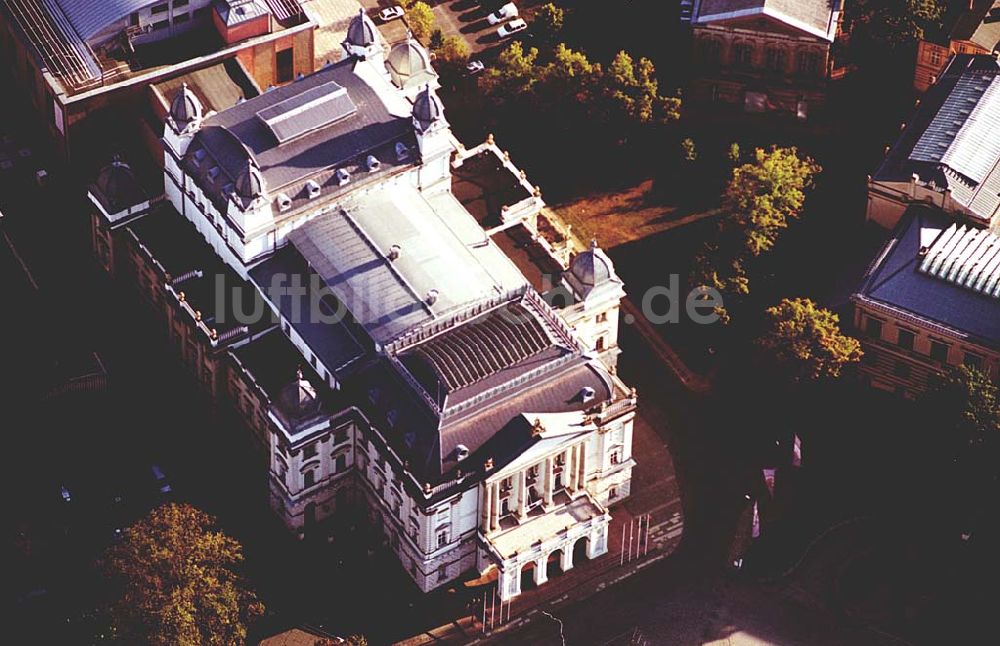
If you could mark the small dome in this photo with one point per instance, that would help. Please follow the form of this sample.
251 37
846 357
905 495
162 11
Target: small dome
427 108
361 32
117 187
250 183
591 268
408 62
185 108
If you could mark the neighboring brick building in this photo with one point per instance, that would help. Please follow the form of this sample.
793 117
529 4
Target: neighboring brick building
76 58
763 55
931 299
975 30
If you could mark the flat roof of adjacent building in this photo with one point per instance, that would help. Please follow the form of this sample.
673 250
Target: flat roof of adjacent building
218 87
907 279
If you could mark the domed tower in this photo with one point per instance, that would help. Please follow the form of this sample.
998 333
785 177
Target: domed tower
362 38
183 122
597 291
433 137
249 185
409 66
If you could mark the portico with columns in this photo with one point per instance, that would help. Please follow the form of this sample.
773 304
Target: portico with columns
538 510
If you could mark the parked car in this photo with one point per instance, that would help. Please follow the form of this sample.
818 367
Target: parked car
502 14
512 28
390 13
474 67
161 480
65 494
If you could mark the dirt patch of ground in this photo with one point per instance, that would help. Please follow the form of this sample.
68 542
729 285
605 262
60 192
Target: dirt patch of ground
624 216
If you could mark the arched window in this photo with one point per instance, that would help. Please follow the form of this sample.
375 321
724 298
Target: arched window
743 55
776 59
808 63
711 51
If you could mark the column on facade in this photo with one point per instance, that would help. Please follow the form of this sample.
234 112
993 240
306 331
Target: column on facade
495 507
522 494
581 481
550 478
541 570
487 506
566 557
571 469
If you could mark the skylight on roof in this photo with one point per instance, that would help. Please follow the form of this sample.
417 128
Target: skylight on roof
967 257
308 111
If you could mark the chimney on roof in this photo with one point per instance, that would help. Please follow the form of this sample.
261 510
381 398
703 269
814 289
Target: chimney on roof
432 296
394 252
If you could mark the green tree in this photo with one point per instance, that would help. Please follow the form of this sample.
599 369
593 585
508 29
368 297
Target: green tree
689 153
633 92
964 401
734 155
891 23
513 76
805 340
420 20
760 199
180 581
548 21
762 196
453 50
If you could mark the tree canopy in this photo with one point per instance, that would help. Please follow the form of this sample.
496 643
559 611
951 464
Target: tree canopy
420 20
180 581
805 340
760 200
565 81
965 402
548 21
891 23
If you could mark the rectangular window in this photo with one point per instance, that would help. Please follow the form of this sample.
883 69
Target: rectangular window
612 493
133 19
341 463
180 3
180 18
939 351
442 538
973 360
163 24
310 478
442 572
906 339
340 436
309 451
285 65
873 327
159 8
901 369
602 317
615 457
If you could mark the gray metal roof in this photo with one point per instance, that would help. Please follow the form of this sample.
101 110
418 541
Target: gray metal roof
89 17
316 108
228 137
961 134
817 15
350 250
950 139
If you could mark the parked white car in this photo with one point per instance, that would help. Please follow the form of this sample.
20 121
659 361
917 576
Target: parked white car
474 67
390 13
502 14
512 28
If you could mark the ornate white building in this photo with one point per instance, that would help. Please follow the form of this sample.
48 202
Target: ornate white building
482 428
